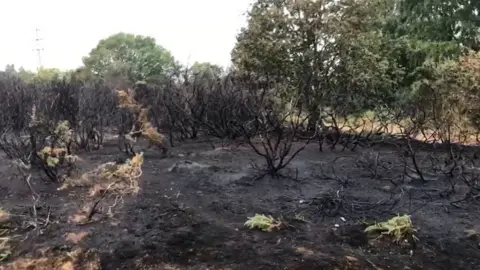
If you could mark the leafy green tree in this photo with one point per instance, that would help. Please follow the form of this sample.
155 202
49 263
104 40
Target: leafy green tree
49 74
426 31
203 72
206 68
456 21
26 75
330 53
446 99
10 69
136 57
287 43
352 55
42 74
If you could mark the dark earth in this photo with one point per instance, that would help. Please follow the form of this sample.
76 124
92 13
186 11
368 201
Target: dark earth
192 215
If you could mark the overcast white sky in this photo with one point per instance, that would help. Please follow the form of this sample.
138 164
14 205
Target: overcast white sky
193 30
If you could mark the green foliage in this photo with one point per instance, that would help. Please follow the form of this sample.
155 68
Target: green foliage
454 21
10 69
49 74
449 93
136 57
422 32
348 57
205 70
282 48
399 228
26 75
205 67
264 223
57 154
365 76
42 75
63 132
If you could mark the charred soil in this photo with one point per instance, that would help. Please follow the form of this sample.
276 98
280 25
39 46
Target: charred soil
192 206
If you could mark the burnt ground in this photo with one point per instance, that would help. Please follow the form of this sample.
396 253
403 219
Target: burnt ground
194 218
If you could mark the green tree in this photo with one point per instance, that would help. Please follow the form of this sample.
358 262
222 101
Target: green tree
49 74
426 33
136 57
10 69
431 30
204 71
42 74
456 21
205 67
446 99
330 53
286 43
26 75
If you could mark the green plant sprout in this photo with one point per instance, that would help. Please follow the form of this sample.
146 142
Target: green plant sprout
399 228
264 223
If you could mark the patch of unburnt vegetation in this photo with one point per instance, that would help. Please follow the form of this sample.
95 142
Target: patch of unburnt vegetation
140 124
399 228
109 180
265 223
75 259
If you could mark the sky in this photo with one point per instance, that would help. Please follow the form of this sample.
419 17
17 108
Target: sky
192 30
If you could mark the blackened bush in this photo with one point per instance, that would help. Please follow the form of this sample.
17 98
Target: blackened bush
32 113
97 107
220 107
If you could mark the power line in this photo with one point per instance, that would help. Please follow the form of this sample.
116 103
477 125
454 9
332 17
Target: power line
38 49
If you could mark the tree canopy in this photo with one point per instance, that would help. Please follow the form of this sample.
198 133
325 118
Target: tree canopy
354 55
135 57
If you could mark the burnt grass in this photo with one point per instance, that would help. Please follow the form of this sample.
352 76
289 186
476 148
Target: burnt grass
194 218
